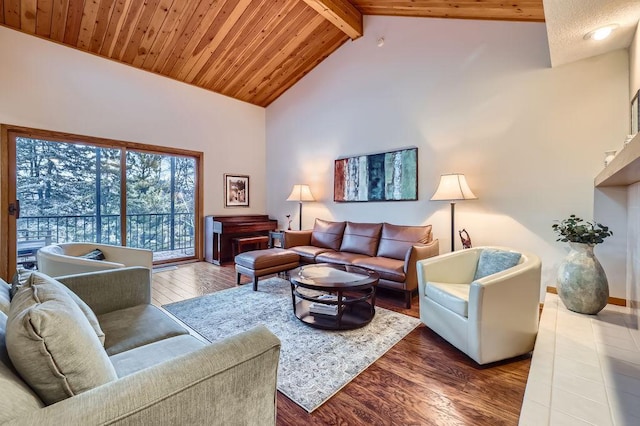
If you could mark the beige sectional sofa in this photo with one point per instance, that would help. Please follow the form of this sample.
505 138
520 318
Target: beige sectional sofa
390 250
147 367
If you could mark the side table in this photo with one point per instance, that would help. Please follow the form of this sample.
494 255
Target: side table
276 239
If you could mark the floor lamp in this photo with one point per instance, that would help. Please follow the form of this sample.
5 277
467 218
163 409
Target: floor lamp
453 187
300 193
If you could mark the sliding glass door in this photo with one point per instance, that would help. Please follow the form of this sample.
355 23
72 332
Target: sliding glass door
87 191
161 204
68 192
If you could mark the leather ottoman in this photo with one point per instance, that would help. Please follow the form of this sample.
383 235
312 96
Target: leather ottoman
258 263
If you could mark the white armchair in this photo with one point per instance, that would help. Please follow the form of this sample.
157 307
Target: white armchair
489 319
64 259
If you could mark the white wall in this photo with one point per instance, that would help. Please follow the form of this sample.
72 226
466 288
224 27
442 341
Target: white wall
475 97
48 86
633 264
634 64
633 200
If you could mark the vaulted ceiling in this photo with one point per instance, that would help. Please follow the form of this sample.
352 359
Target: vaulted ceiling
252 50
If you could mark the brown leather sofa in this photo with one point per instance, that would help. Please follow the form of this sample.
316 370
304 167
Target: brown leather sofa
390 250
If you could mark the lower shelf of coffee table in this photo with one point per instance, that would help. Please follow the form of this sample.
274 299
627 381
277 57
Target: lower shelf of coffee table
355 315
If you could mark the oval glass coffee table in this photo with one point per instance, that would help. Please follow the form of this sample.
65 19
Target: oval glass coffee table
334 297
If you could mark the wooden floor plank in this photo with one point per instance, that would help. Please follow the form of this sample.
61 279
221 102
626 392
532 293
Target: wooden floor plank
422 380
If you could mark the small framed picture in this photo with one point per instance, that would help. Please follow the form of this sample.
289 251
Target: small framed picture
635 114
236 190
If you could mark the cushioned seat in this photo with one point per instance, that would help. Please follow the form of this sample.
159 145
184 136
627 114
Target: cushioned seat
454 297
258 263
484 300
389 269
308 253
340 257
136 326
136 359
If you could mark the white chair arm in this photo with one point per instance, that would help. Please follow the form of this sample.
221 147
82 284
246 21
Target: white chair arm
128 256
508 297
66 259
454 267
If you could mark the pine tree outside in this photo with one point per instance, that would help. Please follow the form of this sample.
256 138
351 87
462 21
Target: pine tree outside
71 192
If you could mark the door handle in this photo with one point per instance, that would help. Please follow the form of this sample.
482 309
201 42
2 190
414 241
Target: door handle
14 209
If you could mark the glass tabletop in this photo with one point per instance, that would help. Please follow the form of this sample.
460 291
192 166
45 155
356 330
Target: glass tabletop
324 273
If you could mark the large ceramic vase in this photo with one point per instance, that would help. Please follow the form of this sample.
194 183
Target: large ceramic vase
582 283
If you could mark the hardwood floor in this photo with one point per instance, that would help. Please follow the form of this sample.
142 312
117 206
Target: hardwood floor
422 380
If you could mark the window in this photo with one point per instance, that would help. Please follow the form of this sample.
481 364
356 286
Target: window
73 188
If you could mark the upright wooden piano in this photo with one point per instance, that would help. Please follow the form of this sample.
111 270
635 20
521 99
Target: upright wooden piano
219 230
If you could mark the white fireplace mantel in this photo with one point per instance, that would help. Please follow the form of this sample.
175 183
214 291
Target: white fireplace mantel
624 169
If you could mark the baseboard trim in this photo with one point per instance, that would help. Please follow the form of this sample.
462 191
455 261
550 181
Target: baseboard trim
612 300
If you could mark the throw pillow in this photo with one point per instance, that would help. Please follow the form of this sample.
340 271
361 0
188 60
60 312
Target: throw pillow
52 345
492 261
94 255
38 278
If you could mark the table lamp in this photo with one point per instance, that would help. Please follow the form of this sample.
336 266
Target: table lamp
300 193
453 187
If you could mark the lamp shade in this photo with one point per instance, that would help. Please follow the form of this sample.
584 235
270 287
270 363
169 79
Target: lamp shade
453 186
300 193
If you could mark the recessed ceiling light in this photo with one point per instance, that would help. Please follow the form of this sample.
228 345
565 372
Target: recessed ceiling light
601 33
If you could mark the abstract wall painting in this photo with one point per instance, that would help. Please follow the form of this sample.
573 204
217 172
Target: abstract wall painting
389 176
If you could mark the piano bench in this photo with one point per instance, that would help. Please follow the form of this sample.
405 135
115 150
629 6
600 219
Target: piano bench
240 243
258 263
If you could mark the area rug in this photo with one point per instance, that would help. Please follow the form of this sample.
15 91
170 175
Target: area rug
314 364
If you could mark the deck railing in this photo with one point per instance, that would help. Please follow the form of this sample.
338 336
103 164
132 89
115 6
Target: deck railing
154 231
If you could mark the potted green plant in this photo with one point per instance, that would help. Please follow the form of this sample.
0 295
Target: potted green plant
582 283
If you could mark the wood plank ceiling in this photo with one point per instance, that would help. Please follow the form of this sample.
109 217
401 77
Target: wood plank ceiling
252 50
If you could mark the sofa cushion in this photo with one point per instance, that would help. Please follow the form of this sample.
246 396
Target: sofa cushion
361 238
492 261
136 359
454 297
37 278
327 234
339 257
396 240
309 253
52 345
389 269
18 397
137 326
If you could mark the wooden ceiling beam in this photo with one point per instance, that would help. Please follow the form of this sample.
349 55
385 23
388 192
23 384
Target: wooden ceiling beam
514 10
340 13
